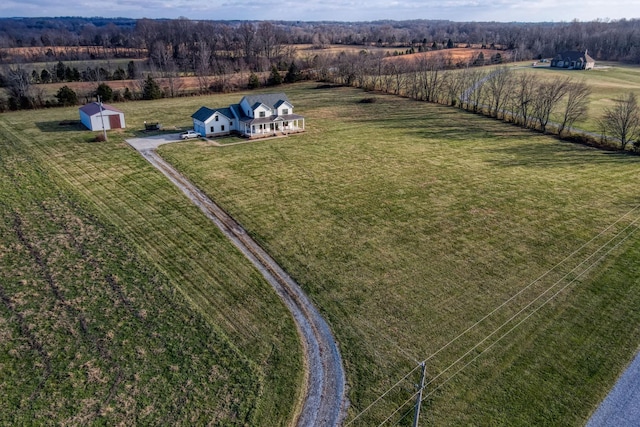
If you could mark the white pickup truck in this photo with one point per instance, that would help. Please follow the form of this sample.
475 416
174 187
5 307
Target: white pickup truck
189 134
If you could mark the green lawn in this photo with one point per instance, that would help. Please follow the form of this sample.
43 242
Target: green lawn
408 222
180 329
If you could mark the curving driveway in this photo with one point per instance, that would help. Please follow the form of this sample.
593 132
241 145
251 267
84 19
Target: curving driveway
324 402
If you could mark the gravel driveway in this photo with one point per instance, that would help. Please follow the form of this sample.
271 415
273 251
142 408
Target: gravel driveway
324 403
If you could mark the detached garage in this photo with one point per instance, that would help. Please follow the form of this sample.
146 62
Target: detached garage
91 117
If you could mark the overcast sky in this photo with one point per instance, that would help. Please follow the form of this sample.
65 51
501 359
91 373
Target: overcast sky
332 10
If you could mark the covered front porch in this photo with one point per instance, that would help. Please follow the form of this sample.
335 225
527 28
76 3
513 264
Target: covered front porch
280 125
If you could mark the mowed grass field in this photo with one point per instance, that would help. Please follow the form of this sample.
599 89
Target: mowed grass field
120 303
504 257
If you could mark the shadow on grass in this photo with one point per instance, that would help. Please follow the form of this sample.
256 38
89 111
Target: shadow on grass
555 155
61 126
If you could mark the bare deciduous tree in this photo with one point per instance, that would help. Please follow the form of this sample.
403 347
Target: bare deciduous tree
203 66
576 105
547 97
19 86
522 99
622 121
499 86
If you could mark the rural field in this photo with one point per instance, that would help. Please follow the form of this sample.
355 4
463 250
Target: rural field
120 302
504 258
408 222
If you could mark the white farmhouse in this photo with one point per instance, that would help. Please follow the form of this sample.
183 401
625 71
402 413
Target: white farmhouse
94 115
255 116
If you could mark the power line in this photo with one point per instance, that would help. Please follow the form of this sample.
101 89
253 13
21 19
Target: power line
515 315
382 396
536 299
530 314
400 407
528 286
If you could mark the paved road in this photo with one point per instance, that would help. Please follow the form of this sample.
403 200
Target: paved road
621 408
324 403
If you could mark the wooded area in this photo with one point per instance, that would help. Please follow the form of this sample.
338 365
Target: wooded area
190 44
416 59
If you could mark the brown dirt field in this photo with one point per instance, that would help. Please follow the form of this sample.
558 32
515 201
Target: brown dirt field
307 49
188 84
456 54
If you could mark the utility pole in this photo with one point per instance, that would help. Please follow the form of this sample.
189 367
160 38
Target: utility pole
104 131
416 415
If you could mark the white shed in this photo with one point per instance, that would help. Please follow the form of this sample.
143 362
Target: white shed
95 114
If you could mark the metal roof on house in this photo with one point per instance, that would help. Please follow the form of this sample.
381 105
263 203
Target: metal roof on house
94 108
282 101
268 99
204 113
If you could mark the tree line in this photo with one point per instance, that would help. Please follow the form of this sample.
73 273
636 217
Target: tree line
524 98
258 43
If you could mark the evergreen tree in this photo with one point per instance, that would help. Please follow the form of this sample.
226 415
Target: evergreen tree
151 89
66 96
275 78
293 74
254 81
45 76
60 69
68 74
105 92
131 70
119 74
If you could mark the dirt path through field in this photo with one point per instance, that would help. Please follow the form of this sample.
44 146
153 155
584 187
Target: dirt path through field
324 389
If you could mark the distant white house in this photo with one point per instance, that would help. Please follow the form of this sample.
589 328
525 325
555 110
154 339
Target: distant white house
95 114
255 116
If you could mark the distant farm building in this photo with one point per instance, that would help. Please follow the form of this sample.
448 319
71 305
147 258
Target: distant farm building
255 116
573 60
94 115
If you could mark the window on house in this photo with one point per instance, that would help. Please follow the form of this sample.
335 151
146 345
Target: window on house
222 128
216 118
212 129
262 114
230 125
285 111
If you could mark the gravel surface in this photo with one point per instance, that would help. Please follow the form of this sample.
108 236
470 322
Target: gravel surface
621 408
324 403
